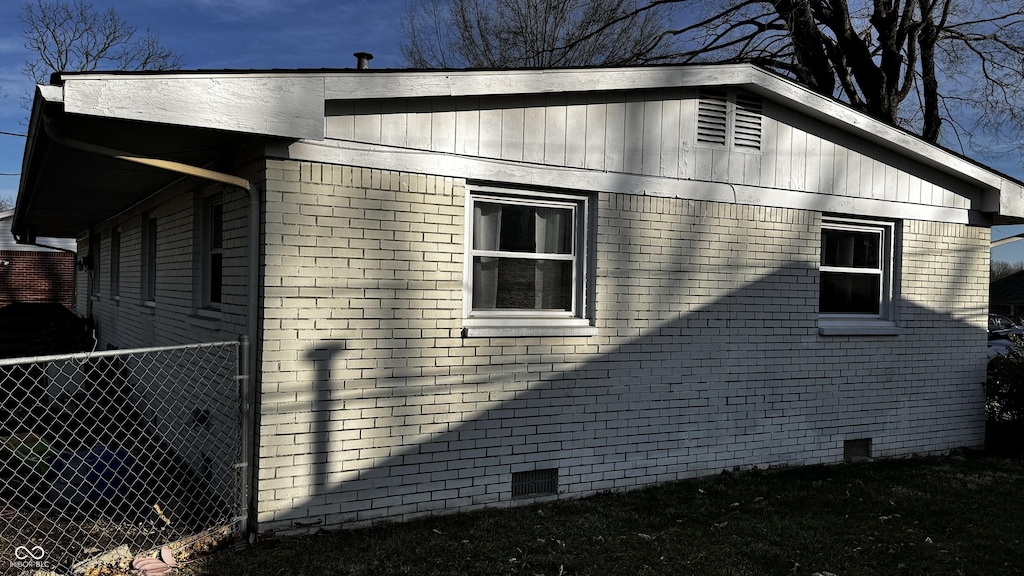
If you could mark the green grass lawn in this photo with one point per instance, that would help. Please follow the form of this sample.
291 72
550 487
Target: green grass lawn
960 514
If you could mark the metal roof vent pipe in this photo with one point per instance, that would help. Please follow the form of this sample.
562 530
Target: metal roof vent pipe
363 60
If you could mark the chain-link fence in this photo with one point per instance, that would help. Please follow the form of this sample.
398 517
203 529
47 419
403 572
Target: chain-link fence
136 449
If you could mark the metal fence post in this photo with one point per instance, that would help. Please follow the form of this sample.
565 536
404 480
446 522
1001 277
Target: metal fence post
246 424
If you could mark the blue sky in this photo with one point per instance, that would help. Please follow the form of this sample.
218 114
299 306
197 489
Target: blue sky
216 34
258 34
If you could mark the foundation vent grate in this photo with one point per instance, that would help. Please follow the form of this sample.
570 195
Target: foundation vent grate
535 483
857 450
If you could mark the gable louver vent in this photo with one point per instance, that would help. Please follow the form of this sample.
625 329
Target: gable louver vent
712 117
728 118
748 122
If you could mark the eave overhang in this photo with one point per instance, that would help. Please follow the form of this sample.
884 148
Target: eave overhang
198 118
75 173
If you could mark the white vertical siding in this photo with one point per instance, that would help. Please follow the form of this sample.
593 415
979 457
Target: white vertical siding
650 133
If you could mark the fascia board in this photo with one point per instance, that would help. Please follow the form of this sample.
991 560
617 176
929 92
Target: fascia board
289 107
35 144
425 84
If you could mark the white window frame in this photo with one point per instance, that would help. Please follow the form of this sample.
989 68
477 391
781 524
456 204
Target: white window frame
490 323
115 263
95 249
149 258
849 323
209 250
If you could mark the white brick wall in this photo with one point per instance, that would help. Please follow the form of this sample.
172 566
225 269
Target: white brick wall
707 358
708 355
127 321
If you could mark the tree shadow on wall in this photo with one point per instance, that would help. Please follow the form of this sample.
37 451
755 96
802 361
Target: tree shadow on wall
745 380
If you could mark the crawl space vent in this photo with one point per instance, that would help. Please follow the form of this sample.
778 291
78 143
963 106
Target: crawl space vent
857 450
535 483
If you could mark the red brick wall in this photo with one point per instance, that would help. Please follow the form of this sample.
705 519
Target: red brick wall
37 277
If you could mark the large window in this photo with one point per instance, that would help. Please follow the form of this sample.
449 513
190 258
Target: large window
213 252
526 259
856 268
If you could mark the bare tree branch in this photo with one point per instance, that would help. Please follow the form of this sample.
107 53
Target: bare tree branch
919 64
532 33
73 36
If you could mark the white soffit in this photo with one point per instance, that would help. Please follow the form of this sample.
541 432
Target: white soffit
290 107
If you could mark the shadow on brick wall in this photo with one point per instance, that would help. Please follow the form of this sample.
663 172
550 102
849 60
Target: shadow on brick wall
745 381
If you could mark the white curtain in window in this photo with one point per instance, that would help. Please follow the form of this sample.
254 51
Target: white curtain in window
550 234
486 236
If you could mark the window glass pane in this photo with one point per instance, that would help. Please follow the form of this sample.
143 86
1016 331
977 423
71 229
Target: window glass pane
521 284
115 262
151 259
519 228
850 248
850 293
216 278
216 226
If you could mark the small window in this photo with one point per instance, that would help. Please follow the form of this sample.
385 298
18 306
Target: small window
95 243
729 119
115 262
213 252
526 259
149 259
856 269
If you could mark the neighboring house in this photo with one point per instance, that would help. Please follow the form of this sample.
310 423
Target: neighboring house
44 272
474 288
1006 296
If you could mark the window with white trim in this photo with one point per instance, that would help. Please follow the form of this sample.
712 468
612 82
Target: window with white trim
115 262
95 242
526 260
149 259
856 269
213 252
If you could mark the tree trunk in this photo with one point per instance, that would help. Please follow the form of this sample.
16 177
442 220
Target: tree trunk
927 40
813 67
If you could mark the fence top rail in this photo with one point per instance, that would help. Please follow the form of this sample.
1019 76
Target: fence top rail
105 353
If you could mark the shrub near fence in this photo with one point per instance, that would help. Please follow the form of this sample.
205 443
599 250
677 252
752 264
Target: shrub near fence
117 449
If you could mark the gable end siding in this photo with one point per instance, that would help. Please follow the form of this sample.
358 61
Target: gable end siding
652 133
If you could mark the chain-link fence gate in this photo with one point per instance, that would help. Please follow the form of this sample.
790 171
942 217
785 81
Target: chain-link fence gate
132 448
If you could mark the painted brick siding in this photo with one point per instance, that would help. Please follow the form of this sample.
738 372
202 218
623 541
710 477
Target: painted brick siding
708 355
127 320
37 277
